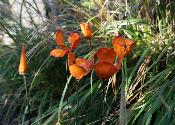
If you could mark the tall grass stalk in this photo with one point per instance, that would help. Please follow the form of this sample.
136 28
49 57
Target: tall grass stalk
61 101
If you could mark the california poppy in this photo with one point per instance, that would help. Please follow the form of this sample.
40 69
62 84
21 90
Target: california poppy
86 29
23 67
84 63
73 39
122 46
80 68
104 67
77 71
130 45
106 54
104 70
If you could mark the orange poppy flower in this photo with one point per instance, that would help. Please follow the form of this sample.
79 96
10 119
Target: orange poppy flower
80 68
74 40
105 68
86 30
77 71
84 63
122 46
23 67
106 54
130 46
119 50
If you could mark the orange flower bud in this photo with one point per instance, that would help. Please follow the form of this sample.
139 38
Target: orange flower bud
23 67
74 40
86 30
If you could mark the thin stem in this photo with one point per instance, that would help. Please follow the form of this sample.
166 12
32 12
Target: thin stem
67 96
90 44
122 115
27 97
91 82
67 110
77 112
102 106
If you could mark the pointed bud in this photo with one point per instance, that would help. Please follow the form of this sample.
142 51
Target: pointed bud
23 67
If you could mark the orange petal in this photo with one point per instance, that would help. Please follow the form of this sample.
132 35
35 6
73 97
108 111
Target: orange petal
86 30
104 70
119 50
77 71
23 67
119 39
130 46
74 40
58 53
71 58
84 63
106 55
59 38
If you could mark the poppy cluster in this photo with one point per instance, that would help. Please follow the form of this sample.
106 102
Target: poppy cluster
78 67
106 65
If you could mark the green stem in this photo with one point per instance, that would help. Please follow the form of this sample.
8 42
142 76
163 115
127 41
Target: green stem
90 44
77 112
122 116
27 97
